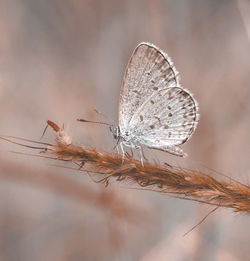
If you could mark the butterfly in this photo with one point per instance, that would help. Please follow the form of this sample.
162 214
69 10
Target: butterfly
154 109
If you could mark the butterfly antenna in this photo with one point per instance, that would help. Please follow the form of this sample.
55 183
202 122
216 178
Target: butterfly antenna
98 122
103 115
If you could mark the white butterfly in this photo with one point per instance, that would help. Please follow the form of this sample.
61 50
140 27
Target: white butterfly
154 109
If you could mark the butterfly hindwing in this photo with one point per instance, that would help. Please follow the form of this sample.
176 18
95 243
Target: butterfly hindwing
167 118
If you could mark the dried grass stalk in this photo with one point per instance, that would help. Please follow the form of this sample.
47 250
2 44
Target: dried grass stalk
179 182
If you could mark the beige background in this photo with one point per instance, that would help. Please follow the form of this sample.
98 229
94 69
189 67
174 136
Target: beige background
60 60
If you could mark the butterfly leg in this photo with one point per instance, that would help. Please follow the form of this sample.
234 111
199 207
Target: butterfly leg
142 156
117 148
132 152
123 153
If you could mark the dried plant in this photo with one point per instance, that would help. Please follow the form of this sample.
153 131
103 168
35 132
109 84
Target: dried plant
175 181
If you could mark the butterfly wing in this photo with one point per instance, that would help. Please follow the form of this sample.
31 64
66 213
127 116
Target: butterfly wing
149 69
167 118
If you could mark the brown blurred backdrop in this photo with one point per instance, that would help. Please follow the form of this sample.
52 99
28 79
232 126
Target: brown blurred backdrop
60 60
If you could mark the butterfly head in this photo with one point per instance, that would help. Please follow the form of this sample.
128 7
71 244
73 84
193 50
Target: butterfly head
115 132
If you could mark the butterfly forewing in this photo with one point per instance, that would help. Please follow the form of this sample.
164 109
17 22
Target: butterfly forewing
149 70
167 118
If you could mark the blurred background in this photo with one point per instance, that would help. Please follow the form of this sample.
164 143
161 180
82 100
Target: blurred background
61 60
